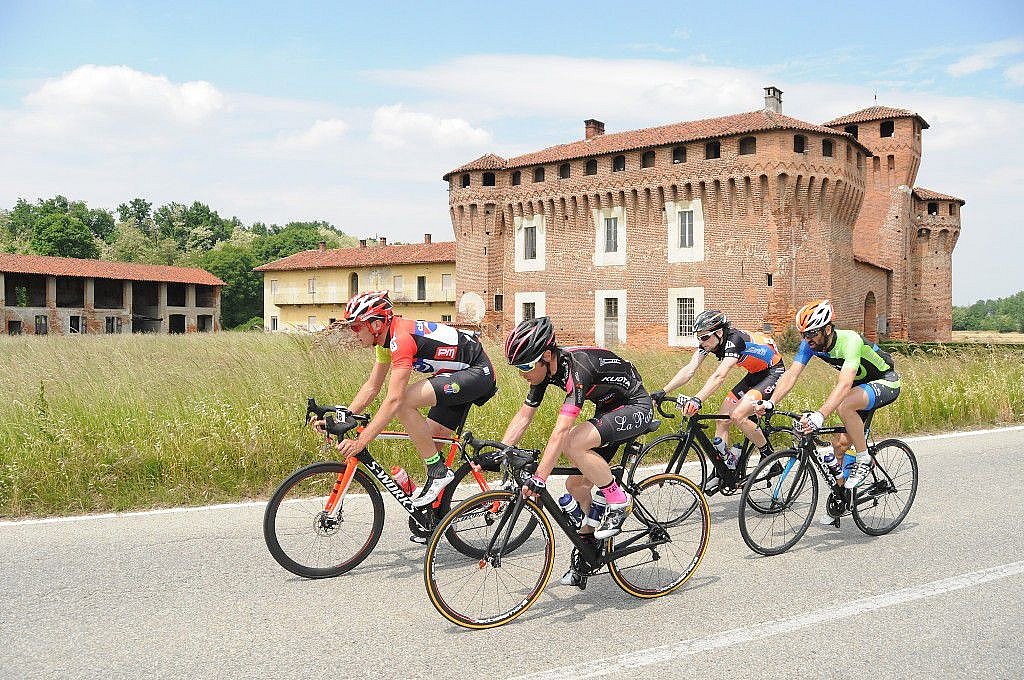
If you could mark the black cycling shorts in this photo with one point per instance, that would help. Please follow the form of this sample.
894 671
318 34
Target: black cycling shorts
456 392
881 392
762 382
621 424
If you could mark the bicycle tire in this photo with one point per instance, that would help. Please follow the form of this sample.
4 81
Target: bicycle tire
663 503
457 582
304 511
674 457
885 479
770 513
449 500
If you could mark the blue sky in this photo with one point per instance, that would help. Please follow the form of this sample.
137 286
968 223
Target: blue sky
274 112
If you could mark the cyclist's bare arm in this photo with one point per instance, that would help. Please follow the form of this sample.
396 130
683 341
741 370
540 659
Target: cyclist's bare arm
786 382
686 372
556 444
517 426
389 407
717 378
371 388
842 388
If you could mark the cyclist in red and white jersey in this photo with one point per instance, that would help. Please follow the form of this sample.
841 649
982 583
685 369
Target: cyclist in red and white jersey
460 375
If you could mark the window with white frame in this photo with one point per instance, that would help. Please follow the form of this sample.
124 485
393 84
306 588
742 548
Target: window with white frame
609 317
685 230
609 236
311 285
446 318
529 305
311 324
397 286
446 283
273 286
529 244
684 305
273 323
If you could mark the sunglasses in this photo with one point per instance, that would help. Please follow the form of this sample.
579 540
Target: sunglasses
807 335
527 367
704 337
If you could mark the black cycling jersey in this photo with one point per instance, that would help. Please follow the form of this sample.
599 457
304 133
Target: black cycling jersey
591 374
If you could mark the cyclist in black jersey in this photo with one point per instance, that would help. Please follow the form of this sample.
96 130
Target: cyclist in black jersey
623 411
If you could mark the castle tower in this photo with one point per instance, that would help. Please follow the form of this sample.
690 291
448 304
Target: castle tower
937 227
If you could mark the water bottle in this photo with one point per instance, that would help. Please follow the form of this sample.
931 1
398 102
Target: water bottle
572 509
403 480
719 444
827 455
734 455
597 507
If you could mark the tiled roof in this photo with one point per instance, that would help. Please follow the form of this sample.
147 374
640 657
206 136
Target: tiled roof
370 256
102 269
725 126
876 113
929 195
488 161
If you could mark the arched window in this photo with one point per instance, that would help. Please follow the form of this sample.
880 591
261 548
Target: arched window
538 174
679 154
563 171
517 178
353 284
647 159
618 163
591 167
713 149
488 179
826 147
886 128
799 144
748 145
465 180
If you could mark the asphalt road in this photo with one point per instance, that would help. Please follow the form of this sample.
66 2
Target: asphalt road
196 594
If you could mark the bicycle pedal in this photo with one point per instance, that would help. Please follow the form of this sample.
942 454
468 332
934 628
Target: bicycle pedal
419 540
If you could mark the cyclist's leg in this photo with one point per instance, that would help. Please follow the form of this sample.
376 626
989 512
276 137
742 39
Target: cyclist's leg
877 393
418 395
728 404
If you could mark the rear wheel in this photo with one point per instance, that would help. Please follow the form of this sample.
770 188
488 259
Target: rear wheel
777 503
309 542
668 451
884 498
466 485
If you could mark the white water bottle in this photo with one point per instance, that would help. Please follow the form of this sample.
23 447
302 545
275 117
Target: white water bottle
719 445
827 455
597 508
734 455
572 509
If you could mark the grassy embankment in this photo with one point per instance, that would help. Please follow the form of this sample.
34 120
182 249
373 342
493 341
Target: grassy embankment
121 422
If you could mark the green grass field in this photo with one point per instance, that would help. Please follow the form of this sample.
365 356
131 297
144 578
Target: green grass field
106 423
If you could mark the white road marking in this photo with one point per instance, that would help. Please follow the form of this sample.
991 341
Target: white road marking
252 504
625 665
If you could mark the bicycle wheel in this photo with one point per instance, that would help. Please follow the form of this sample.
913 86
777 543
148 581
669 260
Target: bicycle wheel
668 450
304 539
671 516
776 508
491 590
885 497
466 485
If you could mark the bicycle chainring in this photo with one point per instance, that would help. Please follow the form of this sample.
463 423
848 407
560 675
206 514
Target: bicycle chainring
428 517
835 506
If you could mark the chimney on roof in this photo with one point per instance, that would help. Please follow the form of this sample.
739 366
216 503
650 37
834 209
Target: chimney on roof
323 245
773 99
362 243
382 241
426 238
594 127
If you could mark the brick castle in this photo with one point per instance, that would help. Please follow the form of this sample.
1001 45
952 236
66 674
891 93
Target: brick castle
625 237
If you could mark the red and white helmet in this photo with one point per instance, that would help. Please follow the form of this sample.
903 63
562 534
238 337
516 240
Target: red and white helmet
814 315
369 306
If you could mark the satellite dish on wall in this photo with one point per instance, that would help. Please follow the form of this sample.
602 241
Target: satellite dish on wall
471 307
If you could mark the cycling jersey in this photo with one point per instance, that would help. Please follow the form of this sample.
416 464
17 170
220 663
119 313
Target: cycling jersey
849 348
591 374
753 351
429 347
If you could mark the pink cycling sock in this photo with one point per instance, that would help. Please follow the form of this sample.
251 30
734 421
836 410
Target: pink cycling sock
613 493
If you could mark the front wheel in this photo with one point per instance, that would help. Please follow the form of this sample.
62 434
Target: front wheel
672 521
307 540
778 501
503 582
884 498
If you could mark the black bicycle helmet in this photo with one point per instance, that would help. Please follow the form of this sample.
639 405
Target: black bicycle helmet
528 340
709 321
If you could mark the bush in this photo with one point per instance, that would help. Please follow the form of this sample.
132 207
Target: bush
789 340
253 324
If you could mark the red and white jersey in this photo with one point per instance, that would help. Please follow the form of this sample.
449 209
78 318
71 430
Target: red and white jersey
430 347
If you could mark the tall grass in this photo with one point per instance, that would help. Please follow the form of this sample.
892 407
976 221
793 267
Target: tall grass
120 422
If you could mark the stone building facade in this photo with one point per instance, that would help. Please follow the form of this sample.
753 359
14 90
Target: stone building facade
626 237
59 295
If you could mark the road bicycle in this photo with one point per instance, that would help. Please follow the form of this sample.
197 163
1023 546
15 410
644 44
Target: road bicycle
327 517
779 499
658 549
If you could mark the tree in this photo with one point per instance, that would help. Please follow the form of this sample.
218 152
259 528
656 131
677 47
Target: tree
64 236
137 209
242 297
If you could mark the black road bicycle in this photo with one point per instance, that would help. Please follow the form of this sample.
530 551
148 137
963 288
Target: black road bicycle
327 517
779 499
691 444
659 548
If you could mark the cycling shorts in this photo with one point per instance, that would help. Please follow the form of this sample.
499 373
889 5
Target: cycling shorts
762 383
881 392
456 392
621 424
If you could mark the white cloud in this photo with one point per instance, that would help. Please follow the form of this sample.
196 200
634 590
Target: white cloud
397 126
985 57
1015 74
319 136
